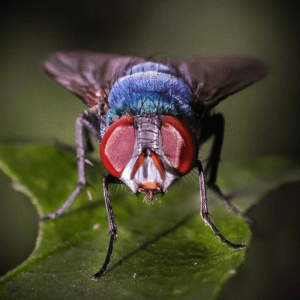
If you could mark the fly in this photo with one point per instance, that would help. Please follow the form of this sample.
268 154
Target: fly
151 119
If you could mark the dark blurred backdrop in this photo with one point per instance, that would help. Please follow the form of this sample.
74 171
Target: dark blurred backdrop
260 120
263 119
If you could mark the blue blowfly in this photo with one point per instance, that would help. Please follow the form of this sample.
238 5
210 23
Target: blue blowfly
150 119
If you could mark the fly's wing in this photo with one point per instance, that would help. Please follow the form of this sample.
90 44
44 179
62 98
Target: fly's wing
88 75
218 77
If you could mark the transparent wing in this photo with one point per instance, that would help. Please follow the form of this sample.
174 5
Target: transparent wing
216 78
86 74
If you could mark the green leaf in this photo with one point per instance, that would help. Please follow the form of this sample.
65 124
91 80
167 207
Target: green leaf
163 251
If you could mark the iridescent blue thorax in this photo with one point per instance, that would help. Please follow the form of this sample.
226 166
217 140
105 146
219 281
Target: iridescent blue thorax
148 88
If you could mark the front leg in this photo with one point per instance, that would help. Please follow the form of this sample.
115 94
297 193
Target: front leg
83 122
112 225
214 126
204 211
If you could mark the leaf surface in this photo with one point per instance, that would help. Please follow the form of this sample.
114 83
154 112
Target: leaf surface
163 251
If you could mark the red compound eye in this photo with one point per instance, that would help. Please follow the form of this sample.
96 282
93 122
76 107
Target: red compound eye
117 146
178 144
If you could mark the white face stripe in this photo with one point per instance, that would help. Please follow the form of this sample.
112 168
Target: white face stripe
149 174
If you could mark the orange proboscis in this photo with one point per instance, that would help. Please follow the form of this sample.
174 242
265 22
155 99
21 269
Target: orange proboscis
150 189
150 185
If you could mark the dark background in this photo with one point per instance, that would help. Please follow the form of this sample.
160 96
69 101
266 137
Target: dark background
261 120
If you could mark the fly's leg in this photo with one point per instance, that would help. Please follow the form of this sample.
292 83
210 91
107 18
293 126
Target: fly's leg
86 121
112 226
204 211
214 126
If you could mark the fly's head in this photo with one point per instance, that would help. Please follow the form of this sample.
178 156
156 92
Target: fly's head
148 152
